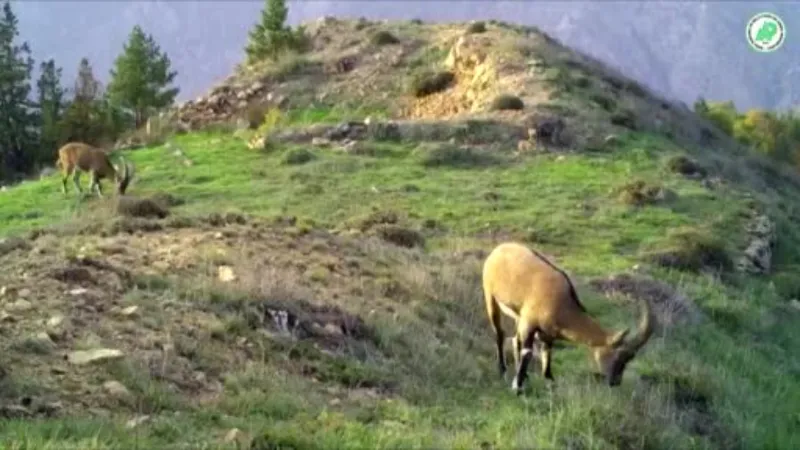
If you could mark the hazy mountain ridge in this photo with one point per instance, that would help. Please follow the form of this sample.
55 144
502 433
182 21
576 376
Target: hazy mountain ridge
682 49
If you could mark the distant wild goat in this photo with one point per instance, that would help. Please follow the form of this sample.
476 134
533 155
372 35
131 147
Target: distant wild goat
525 286
77 157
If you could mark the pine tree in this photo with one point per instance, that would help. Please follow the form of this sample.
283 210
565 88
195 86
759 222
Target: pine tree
17 118
51 105
83 118
140 77
271 36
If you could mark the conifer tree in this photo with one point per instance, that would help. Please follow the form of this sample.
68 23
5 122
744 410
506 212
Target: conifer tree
51 106
82 118
17 115
141 77
271 36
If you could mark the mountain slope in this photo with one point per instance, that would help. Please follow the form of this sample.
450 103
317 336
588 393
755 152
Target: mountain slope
322 290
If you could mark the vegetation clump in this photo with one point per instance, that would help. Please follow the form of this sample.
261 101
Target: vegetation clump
506 102
448 155
399 235
641 193
604 101
271 37
682 164
141 207
429 83
624 118
691 249
298 156
383 37
476 27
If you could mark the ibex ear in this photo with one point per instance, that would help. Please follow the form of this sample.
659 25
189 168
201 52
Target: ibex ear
618 338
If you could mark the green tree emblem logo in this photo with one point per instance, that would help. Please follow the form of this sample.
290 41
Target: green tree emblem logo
765 32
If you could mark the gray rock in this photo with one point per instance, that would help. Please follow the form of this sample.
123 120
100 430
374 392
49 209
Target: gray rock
116 389
82 357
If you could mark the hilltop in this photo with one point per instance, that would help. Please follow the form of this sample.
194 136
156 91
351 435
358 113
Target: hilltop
309 276
684 49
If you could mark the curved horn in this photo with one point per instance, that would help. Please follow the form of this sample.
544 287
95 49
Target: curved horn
645 329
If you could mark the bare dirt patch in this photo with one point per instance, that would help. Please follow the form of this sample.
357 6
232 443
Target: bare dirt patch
156 327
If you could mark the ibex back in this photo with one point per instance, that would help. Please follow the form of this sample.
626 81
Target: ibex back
77 157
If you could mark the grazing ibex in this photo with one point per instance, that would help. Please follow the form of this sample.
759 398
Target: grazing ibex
77 157
525 286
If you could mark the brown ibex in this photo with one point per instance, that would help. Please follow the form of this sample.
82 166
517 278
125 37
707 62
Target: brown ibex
524 285
77 157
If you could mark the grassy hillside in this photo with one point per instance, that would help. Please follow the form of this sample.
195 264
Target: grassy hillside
374 254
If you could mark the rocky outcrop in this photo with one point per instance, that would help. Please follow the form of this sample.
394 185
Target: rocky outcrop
757 256
472 132
224 103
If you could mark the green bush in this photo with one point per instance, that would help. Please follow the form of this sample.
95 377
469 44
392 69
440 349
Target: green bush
476 28
447 155
582 81
298 156
384 37
604 101
507 102
691 250
624 118
430 83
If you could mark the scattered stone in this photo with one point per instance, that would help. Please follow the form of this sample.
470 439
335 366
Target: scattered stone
49 409
129 311
333 329
43 340
795 303
78 291
24 292
235 435
14 411
225 274
20 305
320 142
136 421
116 389
83 357
55 321
6 317
546 129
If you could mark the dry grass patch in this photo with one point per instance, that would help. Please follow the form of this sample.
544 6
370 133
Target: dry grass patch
641 193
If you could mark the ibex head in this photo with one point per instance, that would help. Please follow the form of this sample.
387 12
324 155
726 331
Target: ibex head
612 358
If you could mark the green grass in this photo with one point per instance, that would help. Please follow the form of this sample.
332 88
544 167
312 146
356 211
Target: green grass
740 371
